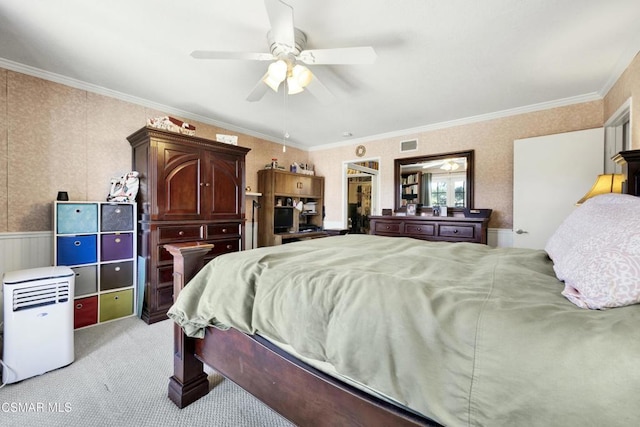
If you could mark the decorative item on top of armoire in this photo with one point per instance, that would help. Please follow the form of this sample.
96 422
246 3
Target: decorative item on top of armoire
97 240
191 189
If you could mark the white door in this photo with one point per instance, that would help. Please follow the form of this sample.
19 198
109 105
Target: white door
550 174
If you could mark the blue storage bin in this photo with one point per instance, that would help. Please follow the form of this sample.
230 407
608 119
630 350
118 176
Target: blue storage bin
73 218
74 250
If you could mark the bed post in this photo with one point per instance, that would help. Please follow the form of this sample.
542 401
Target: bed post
189 381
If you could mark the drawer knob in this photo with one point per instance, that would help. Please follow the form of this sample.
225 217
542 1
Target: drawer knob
117 240
229 246
455 231
181 233
419 229
207 184
116 297
77 243
78 306
117 268
224 230
388 227
118 210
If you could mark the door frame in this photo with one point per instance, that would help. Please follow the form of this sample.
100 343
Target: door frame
375 186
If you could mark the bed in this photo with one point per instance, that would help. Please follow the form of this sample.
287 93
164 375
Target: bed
371 330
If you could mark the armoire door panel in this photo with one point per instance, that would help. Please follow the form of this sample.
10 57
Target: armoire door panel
224 198
178 183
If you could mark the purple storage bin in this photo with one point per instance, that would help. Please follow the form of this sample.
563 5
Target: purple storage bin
116 246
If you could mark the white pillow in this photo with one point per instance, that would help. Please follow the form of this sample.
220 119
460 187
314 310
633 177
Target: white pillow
596 252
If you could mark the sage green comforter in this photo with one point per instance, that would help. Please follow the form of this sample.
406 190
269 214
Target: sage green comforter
462 333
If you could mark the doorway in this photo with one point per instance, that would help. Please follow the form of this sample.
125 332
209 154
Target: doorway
361 190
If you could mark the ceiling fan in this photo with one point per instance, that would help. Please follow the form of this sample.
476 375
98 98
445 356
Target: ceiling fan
287 46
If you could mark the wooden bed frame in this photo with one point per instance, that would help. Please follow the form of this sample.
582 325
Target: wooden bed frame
300 393
297 391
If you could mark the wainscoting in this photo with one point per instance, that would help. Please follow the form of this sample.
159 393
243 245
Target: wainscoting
25 250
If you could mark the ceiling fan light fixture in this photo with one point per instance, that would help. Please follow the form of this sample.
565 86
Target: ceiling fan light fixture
276 74
293 86
449 166
301 74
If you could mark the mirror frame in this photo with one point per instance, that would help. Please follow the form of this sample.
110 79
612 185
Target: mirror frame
427 158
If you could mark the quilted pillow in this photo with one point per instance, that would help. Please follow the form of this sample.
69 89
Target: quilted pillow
596 252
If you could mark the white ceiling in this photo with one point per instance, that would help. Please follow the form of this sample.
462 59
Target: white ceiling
438 61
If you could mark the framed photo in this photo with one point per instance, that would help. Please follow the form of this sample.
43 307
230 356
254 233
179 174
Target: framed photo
411 209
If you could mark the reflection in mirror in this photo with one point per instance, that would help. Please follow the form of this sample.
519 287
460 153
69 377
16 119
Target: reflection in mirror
435 180
362 184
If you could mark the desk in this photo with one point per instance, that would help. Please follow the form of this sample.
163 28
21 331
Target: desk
295 237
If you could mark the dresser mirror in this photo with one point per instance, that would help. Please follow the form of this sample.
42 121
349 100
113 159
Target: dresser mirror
436 180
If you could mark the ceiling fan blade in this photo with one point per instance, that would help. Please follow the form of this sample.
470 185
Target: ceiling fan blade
281 19
251 56
320 91
258 91
344 55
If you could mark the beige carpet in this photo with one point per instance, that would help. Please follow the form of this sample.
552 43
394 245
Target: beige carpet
120 378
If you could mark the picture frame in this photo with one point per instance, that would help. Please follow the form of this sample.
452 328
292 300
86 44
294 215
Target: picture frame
412 209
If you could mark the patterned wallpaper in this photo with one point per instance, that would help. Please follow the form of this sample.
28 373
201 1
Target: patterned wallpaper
54 137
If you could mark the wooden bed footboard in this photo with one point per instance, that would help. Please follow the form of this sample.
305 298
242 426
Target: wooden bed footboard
298 392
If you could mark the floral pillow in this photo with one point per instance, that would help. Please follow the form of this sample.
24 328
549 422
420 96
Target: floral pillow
596 252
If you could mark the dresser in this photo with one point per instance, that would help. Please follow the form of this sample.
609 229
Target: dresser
446 229
191 189
97 241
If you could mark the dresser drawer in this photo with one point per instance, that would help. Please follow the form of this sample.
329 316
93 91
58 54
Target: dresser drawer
457 231
219 230
116 275
116 217
116 304
381 227
74 250
76 218
85 312
116 246
86 280
417 229
176 233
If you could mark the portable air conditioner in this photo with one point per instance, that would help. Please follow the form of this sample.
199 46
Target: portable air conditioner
38 321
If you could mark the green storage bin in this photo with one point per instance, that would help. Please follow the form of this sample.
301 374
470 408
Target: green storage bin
116 304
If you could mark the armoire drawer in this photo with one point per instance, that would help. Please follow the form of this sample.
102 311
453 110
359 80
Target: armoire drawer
217 230
224 246
85 312
178 233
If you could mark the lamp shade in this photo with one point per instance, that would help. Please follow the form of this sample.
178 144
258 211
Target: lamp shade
606 183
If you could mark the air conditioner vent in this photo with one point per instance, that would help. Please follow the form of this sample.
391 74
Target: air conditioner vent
411 145
39 295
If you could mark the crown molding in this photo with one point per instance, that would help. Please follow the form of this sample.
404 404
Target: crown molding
404 133
89 87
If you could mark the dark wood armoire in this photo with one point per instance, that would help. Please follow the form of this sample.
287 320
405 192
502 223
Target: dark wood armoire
191 189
